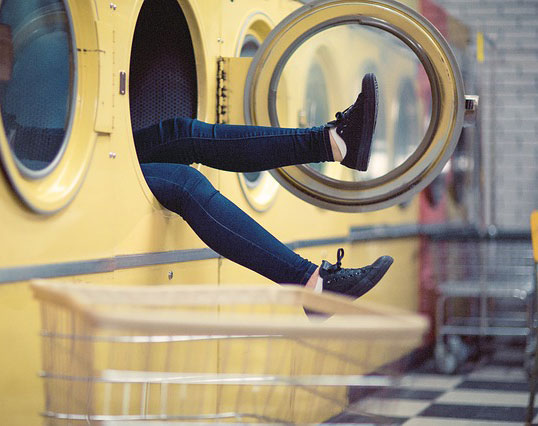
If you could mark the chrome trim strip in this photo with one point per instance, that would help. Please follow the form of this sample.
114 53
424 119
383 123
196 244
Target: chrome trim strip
448 231
23 273
160 258
64 269
294 245
438 231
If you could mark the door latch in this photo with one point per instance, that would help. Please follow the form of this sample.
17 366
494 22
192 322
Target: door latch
471 110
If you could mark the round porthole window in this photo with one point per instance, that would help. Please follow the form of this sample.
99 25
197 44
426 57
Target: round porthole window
38 99
357 31
37 82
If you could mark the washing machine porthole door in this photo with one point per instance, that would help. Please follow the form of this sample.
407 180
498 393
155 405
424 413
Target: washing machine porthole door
345 39
41 107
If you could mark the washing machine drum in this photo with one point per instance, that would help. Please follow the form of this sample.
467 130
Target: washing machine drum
162 71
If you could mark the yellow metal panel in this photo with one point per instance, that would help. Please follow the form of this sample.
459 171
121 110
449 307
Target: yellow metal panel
399 287
104 118
20 359
205 25
79 232
196 272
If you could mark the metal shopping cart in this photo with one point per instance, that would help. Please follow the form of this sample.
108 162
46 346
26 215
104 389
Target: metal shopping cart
485 287
120 354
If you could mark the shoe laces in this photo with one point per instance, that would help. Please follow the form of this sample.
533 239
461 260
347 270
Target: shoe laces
336 273
343 115
338 266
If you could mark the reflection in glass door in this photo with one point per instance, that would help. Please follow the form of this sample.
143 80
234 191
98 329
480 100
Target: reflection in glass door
332 84
37 83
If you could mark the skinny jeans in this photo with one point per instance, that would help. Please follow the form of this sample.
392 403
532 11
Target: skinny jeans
165 151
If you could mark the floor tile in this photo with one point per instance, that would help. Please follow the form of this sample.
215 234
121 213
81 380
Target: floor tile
499 373
475 412
410 393
481 397
430 381
354 419
494 385
490 391
391 407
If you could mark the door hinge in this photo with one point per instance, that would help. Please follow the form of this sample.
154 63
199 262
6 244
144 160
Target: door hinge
222 92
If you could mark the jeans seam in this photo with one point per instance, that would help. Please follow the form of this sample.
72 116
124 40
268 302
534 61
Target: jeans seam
225 227
219 139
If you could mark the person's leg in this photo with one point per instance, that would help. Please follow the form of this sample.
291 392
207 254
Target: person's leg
222 225
235 235
255 148
231 147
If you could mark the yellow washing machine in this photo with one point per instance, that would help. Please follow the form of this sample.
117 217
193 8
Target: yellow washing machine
77 76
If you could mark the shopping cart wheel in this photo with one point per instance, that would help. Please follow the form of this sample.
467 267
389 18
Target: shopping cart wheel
459 348
446 362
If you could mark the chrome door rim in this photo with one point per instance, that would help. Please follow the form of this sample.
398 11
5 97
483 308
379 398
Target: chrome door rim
437 146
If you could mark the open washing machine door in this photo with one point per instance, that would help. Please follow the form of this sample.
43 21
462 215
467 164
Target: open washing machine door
340 41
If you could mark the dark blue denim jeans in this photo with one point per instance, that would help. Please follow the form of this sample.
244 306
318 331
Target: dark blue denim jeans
166 149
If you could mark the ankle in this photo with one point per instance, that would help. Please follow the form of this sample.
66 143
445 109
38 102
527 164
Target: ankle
312 282
335 146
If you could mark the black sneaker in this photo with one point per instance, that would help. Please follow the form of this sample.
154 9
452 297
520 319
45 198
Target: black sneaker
356 125
353 282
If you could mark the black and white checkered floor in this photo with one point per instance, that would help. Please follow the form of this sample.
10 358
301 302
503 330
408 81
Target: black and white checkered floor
491 391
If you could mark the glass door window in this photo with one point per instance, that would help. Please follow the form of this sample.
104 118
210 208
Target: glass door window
325 48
